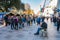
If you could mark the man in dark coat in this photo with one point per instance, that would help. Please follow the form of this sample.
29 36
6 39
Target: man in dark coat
54 20
43 26
12 22
58 23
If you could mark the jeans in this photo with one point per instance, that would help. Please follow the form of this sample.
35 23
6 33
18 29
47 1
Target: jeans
38 30
12 26
55 24
16 26
58 26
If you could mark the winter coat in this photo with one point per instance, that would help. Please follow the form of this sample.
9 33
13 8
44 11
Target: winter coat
44 25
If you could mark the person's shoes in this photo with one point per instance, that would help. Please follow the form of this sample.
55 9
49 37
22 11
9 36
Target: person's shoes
36 34
16 29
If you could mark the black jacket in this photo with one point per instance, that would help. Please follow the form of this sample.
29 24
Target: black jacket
44 25
58 21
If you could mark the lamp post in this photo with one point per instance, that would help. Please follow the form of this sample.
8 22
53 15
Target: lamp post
42 9
44 3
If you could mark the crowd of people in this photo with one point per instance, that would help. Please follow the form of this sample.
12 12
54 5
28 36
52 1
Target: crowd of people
17 21
56 21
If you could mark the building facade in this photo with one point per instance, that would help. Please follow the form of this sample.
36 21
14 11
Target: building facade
58 4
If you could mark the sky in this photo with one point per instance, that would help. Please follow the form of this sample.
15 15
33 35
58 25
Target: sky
35 4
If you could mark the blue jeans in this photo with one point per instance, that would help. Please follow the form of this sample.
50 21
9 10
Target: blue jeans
55 24
12 25
38 30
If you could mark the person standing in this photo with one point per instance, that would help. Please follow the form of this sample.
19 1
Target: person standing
6 20
54 20
47 16
38 20
16 22
58 23
12 23
39 28
28 20
43 18
23 20
34 19
20 21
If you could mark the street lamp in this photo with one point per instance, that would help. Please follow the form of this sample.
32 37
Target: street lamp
42 9
44 3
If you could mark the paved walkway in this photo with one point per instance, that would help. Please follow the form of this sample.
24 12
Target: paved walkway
27 33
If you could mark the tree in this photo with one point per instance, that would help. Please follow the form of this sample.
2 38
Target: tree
4 3
10 3
16 3
22 6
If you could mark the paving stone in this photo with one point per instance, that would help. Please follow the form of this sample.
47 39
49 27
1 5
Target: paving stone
27 33
8 36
